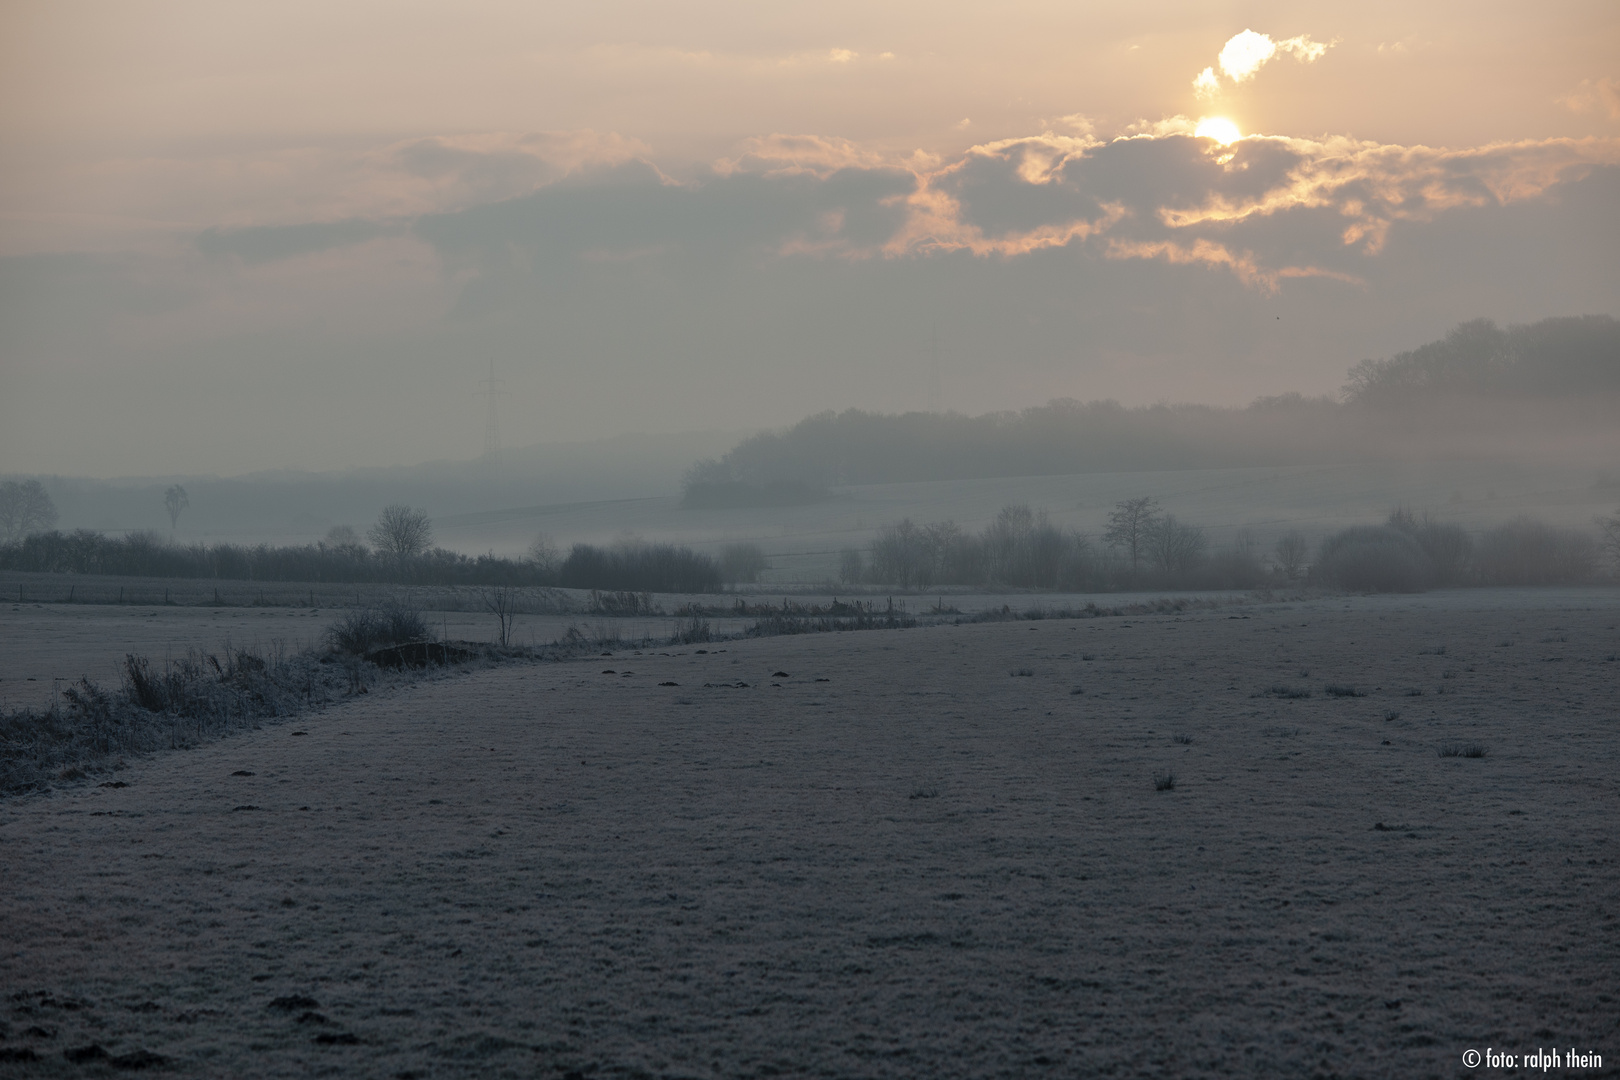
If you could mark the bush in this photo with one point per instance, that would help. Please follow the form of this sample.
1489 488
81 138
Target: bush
178 704
1449 547
1529 552
1020 548
338 559
1291 552
639 568
1373 558
741 563
395 622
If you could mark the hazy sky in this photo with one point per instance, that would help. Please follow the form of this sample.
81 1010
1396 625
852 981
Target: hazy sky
247 236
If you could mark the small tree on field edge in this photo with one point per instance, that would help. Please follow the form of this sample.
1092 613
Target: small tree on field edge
1130 526
174 501
401 532
24 508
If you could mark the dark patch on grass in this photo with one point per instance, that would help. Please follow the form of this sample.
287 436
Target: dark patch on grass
1290 692
136 1060
293 1003
336 1038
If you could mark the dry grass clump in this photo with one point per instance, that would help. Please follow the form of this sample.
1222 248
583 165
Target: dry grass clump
205 695
180 704
1164 781
394 622
1467 750
1290 692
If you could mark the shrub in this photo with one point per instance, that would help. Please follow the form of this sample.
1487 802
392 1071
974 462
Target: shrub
1448 547
543 554
337 559
741 563
178 704
639 568
1020 548
1374 558
1529 552
1291 552
396 622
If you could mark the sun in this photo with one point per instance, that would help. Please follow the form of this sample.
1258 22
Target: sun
1218 128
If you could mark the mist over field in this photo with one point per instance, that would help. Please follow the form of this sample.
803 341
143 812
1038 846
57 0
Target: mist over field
724 541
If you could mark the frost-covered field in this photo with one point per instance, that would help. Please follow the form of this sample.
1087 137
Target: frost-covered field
931 864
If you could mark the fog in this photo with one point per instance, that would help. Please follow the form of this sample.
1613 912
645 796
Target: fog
237 245
883 539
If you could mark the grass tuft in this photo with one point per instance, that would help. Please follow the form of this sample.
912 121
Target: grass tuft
1291 692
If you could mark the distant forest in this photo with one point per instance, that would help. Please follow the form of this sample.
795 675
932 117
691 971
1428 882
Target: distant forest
1475 392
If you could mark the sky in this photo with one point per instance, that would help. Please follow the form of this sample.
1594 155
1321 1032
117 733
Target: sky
238 237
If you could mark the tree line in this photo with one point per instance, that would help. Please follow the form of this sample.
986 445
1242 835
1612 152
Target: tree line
1549 375
398 550
1144 547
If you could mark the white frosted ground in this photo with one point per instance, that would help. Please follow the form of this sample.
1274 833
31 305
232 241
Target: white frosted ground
545 869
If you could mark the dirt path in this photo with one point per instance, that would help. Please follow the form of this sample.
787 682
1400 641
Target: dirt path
929 865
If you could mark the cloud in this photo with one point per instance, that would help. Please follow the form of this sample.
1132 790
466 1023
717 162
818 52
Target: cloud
786 155
1371 186
1263 209
464 170
1244 54
1595 95
269 243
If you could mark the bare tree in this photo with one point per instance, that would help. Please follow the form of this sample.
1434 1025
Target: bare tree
342 538
24 508
544 554
501 601
1174 546
851 566
1291 551
401 532
1610 537
174 501
1130 524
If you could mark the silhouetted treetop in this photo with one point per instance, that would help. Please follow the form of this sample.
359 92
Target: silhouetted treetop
1571 361
1551 358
